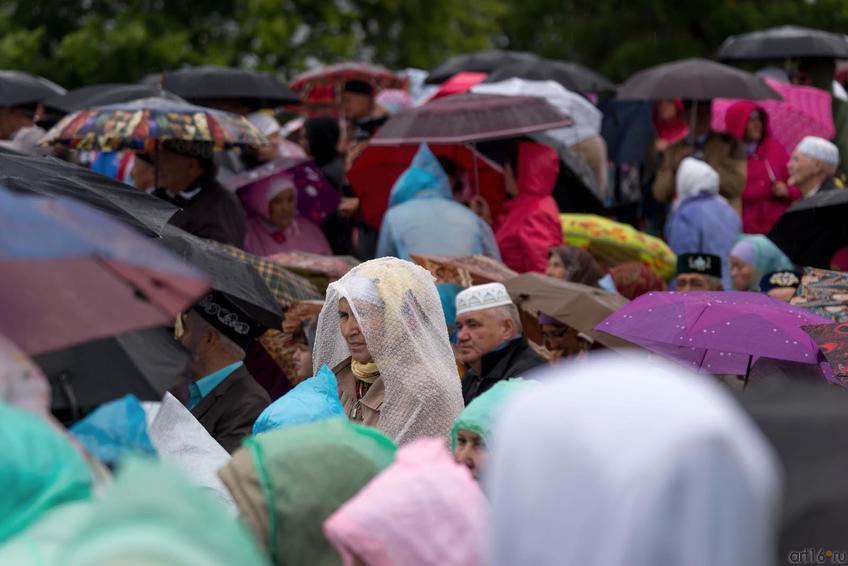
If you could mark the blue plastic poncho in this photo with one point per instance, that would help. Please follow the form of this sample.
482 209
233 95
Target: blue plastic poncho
115 430
314 399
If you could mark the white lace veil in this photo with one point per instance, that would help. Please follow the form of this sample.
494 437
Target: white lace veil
400 314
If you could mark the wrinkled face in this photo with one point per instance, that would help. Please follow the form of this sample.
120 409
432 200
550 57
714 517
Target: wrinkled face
177 172
803 169
561 338
353 334
555 267
691 282
356 106
754 129
282 208
782 293
303 361
471 451
480 332
741 274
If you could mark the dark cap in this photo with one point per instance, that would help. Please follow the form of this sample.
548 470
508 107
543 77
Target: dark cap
704 264
779 279
359 87
202 150
225 317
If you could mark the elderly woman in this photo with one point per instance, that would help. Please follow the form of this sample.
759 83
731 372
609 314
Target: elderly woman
383 332
273 224
751 258
574 264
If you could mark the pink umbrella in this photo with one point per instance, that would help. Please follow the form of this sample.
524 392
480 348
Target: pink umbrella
804 111
717 332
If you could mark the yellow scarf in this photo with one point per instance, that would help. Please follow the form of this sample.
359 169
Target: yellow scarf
365 372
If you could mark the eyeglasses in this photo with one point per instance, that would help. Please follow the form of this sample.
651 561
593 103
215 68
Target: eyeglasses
558 333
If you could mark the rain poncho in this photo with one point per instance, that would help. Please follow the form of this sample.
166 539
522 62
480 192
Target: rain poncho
115 430
314 399
479 416
400 315
423 510
287 482
680 477
153 515
763 255
424 219
40 470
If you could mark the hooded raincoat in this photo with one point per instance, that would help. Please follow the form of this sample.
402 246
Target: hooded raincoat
424 219
530 224
479 416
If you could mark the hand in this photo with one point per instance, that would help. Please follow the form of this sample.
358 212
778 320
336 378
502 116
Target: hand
481 208
348 207
780 190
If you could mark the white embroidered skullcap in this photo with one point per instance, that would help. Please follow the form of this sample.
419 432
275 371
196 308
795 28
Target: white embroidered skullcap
266 124
819 149
482 297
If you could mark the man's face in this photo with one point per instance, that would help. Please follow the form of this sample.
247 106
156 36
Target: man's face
692 282
356 106
803 169
480 332
192 336
143 175
471 451
177 172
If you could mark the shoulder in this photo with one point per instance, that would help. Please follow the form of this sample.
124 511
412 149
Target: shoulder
244 387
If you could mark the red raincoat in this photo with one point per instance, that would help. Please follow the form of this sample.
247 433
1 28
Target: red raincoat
530 224
760 208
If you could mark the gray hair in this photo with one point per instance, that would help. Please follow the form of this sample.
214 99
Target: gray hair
510 312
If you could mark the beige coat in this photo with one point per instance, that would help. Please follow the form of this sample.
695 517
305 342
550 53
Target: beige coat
365 410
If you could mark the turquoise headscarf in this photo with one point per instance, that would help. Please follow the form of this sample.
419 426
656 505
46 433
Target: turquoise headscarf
425 179
40 470
763 255
479 416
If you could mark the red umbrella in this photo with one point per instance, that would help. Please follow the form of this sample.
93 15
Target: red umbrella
321 88
378 167
460 83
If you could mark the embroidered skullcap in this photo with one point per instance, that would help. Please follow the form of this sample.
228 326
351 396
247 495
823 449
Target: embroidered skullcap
482 297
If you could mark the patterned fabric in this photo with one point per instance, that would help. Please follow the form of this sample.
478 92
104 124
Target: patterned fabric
321 89
823 292
833 340
465 271
634 279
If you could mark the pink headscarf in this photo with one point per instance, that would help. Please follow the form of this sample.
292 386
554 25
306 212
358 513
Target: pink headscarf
423 510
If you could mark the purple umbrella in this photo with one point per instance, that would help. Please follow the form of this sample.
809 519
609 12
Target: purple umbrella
717 332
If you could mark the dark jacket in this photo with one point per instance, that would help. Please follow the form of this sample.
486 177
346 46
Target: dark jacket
513 360
229 411
213 212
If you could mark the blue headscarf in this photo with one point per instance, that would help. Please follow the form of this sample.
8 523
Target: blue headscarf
424 179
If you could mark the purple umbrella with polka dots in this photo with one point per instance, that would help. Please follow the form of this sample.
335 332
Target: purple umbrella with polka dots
717 332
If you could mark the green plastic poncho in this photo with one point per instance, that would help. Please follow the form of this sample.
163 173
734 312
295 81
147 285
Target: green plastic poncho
479 416
286 483
40 470
153 515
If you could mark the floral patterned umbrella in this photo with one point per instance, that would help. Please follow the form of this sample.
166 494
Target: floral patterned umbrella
824 293
142 124
321 89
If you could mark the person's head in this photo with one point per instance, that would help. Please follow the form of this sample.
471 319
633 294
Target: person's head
780 284
667 110
143 173
304 341
282 208
751 257
695 177
357 100
698 272
746 121
742 273
560 338
813 161
573 264
755 128
320 139
352 333
269 126
13 118
181 165
485 319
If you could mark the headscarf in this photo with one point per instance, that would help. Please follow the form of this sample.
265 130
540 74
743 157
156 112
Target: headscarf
634 279
695 177
311 400
424 179
22 383
762 254
672 130
580 265
257 197
153 515
322 133
41 470
479 416
400 315
680 477
288 481
423 510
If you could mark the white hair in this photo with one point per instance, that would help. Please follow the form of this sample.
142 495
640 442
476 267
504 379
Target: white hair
510 312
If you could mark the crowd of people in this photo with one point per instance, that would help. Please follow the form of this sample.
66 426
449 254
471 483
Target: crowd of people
425 415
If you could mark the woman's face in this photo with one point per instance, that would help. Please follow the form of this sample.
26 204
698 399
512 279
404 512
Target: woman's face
741 273
666 110
562 339
754 129
303 361
471 451
282 208
555 268
353 334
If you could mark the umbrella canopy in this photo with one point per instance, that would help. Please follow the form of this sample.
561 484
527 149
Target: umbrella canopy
804 111
578 306
478 62
145 363
53 177
572 76
833 341
317 200
107 93
322 88
717 332
813 228
465 271
460 83
72 274
613 243
212 82
784 42
320 270
19 88
824 293
141 124
470 118
695 79
377 168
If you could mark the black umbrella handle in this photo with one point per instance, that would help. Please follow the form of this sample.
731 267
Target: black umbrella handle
70 396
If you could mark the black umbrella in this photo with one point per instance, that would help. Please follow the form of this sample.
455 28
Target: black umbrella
570 75
17 88
211 82
478 62
144 363
695 79
103 94
784 42
805 422
53 177
812 229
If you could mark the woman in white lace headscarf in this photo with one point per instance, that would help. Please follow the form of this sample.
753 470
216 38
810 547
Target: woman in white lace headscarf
630 461
383 331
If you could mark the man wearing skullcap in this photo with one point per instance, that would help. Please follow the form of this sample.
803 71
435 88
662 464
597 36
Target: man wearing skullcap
698 272
813 166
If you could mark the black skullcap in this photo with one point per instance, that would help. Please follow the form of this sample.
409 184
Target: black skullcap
225 317
704 264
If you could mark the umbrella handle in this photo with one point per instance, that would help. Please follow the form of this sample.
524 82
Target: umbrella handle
747 372
70 396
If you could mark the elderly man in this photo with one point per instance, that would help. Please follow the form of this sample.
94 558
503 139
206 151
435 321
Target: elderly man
698 272
813 165
223 395
490 339
187 179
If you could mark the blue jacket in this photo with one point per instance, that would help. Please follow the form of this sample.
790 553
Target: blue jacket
424 219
